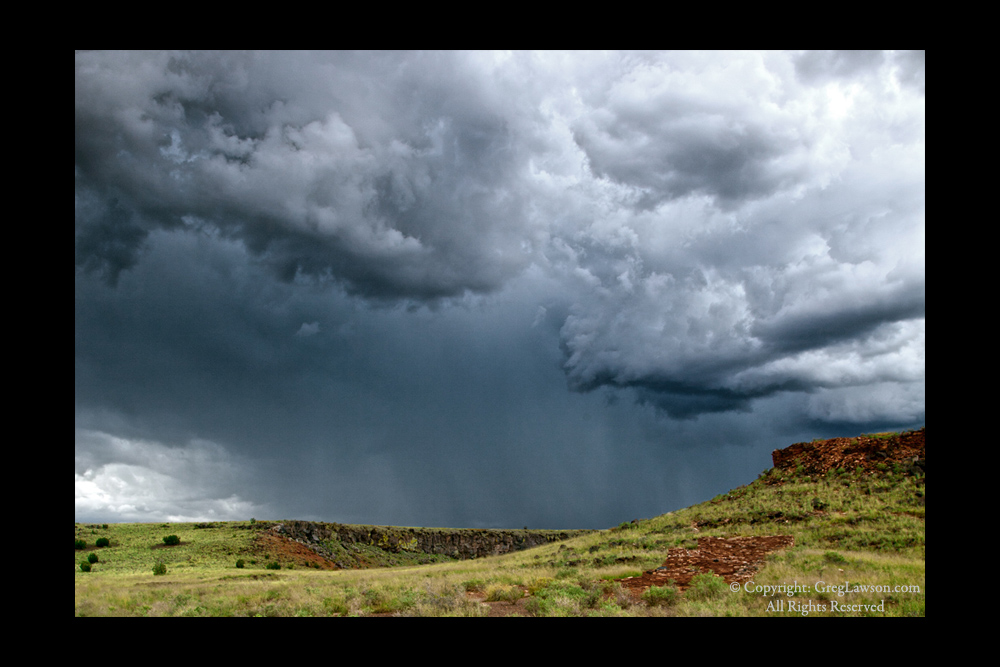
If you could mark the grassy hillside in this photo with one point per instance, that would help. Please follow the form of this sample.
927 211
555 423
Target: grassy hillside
133 548
857 549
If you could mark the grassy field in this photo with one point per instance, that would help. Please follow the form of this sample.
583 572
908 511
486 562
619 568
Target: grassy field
858 551
136 547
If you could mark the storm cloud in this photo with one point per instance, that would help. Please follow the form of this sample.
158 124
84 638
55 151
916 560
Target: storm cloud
403 271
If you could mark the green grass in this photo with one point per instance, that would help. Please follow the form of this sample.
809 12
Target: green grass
135 547
661 595
859 550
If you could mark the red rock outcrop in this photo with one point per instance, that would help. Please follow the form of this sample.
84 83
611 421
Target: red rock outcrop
865 451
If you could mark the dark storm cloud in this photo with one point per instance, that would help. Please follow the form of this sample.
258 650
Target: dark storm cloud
109 241
704 193
721 288
365 281
396 175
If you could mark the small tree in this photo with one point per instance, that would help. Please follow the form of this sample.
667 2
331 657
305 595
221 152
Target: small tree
159 568
92 557
171 540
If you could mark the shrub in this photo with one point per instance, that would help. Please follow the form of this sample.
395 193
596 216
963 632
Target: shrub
538 606
617 595
503 593
539 583
273 565
707 586
84 566
660 596
80 544
240 563
103 542
159 568
92 558
474 585
171 540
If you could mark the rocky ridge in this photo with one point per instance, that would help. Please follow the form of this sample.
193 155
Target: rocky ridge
737 558
866 452
336 542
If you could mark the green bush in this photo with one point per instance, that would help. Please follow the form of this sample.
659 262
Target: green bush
660 596
273 566
84 566
80 544
159 568
171 540
103 542
706 586
474 585
92 558
503 593
240 563
538 606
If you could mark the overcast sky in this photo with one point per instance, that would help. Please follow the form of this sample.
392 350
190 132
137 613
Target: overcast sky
554 290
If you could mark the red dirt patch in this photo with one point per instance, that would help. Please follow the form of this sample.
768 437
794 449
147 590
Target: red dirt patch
733 558
271 547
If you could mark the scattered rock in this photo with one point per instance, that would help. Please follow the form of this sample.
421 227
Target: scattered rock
733 559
